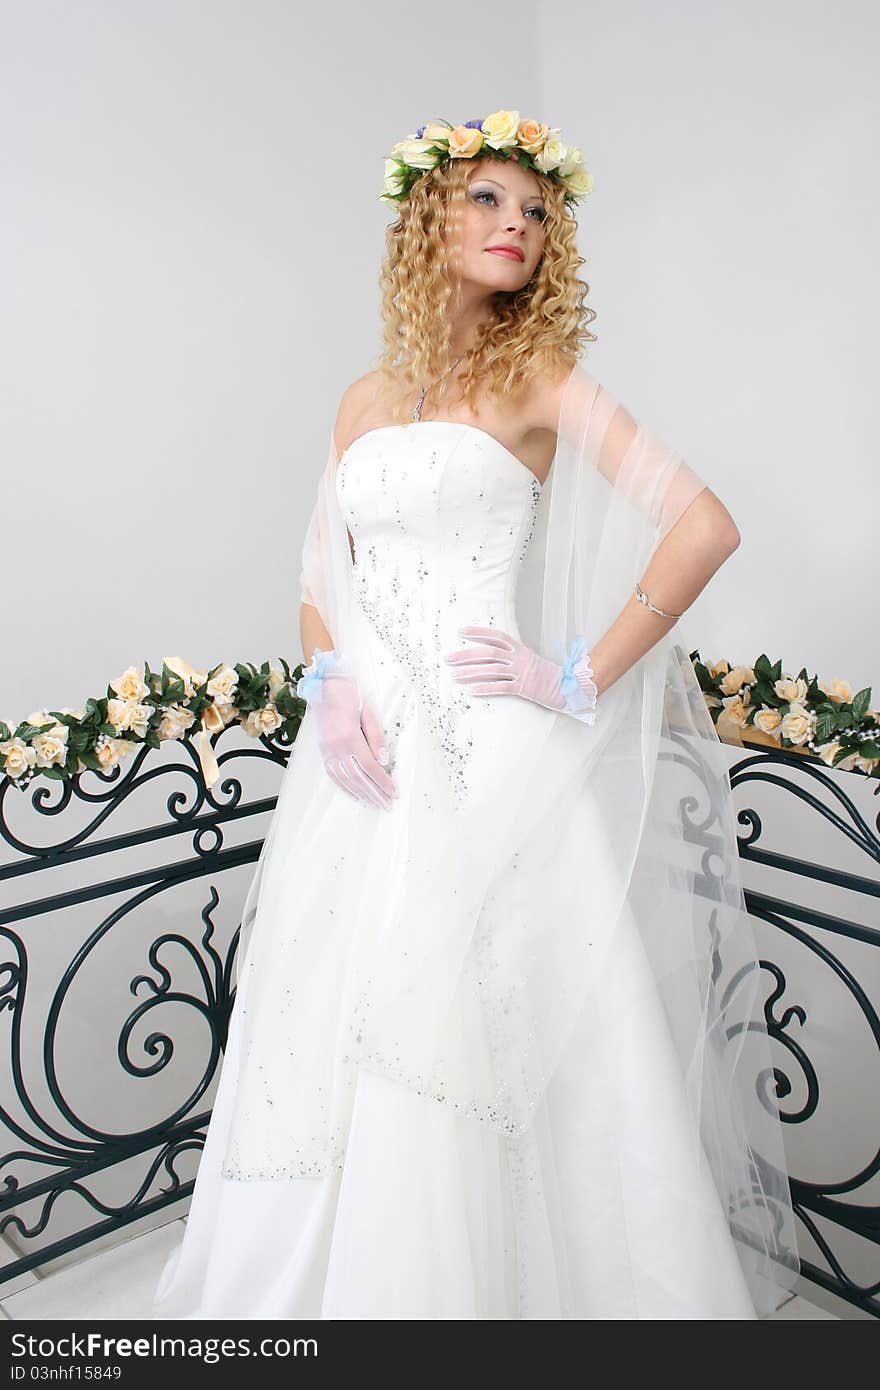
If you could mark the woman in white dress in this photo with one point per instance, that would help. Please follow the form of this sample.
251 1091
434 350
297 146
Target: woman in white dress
497 1049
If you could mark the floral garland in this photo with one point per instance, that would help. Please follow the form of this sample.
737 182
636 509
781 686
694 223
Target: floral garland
760 702
150 709
766 705
536 146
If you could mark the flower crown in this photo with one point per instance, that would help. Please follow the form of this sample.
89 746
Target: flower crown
536 147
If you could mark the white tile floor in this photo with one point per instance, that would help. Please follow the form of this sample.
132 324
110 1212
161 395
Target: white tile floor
119 1283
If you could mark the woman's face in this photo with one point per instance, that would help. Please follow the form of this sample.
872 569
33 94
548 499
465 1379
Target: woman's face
503 208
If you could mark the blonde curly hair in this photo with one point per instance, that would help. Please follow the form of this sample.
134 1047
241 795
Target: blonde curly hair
540 327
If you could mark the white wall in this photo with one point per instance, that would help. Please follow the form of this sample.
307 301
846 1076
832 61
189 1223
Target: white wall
731 243
189 256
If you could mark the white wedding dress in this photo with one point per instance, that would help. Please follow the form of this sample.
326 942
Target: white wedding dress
603 1208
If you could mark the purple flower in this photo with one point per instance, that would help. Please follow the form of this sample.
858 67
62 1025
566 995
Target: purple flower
420 132
472 125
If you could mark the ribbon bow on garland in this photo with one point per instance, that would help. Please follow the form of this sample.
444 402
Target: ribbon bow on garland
211 723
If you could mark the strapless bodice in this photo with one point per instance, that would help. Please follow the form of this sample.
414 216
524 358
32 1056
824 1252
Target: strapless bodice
441 514
441 506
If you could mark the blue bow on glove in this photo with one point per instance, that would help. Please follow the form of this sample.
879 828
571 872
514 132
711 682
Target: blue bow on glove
310 686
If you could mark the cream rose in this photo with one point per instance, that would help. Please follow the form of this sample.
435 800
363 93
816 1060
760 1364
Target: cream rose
107 752
175 722
736 678
262 721
128 714
51 745
793 691
276 681
20 757
579 183
827 751
841 692
223 685
38 718
554 153
465 142
735 709
531 135
797 725
500 129
395 177
130 686
716 667
418 154
768 721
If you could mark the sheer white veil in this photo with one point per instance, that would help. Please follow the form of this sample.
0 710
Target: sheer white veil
472 997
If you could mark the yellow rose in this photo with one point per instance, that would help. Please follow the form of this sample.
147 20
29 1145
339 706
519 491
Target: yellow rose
736 678
797 724
841 692
735 709
465 142
20 757
768 721
794 691
418 154
262 721
51 745
500 129
530 136
130 686
580 182
716 667
867 764
276 681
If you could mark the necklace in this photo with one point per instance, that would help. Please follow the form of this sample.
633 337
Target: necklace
417 408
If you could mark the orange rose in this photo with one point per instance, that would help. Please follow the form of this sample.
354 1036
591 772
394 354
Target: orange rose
530 136
465 142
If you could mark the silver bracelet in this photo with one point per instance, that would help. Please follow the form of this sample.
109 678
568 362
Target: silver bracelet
643 598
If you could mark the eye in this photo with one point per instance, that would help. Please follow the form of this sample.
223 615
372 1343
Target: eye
541 213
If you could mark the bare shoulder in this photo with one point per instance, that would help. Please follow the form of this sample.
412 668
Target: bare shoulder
544 397
352 404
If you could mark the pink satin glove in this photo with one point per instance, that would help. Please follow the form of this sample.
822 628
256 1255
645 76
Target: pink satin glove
505 666
350 736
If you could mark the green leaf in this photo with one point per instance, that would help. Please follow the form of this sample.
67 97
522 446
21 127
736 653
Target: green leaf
704 677
763 669
825 724
860 703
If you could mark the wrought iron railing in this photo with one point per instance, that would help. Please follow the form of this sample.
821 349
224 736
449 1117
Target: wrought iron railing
59 1156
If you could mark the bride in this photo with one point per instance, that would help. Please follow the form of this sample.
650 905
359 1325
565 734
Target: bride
498 1045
